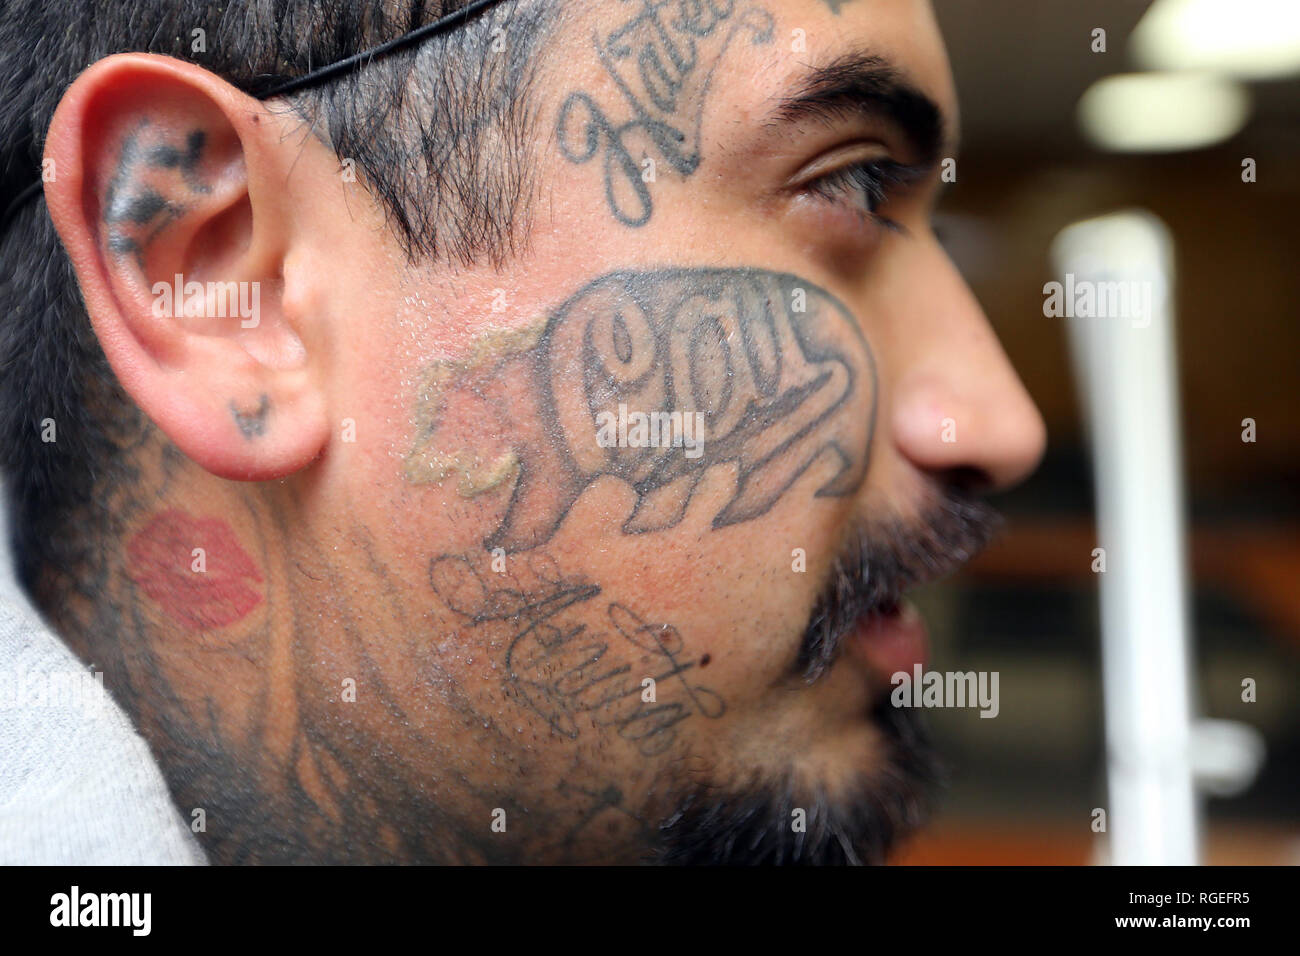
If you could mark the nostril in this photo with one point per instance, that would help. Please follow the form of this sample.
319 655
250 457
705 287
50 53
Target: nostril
970 479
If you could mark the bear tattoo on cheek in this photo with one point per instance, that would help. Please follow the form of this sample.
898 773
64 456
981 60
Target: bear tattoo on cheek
776 369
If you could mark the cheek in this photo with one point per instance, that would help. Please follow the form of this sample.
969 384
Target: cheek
739 597
548 574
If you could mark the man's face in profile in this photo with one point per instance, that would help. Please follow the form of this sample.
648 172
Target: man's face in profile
601 556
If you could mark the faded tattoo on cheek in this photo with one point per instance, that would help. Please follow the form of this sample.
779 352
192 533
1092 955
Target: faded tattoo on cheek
662 59
778 369
575 658
194 569
148 188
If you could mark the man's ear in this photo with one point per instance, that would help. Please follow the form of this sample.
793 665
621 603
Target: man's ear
169 194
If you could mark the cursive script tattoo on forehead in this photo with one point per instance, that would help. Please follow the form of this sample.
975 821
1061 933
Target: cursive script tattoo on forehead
574 659
662 60
777 368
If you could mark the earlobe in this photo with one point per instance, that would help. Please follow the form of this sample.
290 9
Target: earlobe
167 194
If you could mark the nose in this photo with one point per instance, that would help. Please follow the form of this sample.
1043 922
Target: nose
959 410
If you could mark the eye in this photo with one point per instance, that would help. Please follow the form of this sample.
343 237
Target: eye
866 186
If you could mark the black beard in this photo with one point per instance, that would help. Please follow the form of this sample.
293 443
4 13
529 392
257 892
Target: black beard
753 825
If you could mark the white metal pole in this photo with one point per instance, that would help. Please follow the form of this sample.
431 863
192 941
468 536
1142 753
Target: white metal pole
1116 275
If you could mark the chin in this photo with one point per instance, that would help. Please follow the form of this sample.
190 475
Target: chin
789 821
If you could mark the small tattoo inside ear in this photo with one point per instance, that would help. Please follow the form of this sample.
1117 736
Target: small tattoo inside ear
142 199
251 424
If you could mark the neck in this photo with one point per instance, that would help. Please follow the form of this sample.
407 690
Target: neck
210 630
283 690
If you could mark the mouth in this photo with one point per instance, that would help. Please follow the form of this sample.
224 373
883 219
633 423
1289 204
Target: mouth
889 639
861 610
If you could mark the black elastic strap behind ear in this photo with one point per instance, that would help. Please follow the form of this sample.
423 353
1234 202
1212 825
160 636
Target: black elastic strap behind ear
355 62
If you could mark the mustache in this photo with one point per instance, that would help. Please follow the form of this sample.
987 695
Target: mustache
884 558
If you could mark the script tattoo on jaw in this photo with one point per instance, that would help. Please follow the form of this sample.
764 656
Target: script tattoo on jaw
778 368
571 673
662 59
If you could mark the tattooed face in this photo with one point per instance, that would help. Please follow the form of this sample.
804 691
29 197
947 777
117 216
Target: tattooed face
669 482
602 556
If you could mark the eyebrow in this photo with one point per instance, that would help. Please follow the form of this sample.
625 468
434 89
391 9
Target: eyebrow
860 84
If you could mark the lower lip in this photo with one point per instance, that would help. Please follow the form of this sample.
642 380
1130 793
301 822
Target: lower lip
892 643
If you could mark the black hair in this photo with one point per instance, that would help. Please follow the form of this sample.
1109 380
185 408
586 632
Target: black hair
439 133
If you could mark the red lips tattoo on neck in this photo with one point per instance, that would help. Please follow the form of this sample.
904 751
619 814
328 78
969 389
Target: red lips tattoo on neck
162 560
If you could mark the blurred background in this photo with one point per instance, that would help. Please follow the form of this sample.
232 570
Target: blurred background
1204 85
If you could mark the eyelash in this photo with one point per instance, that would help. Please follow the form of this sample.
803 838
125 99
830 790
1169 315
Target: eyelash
876 180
